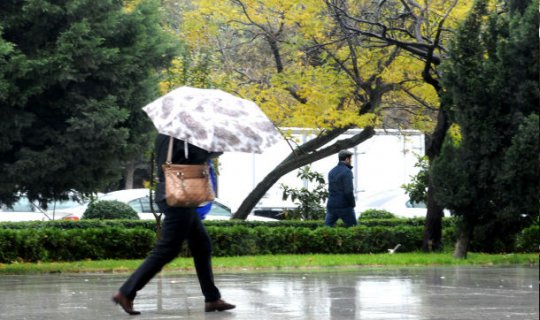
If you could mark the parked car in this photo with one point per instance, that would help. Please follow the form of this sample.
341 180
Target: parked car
395 201
26 210
273 209
139 200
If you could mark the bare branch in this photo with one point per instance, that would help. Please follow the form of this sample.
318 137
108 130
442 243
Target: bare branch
418 48
352 48
408 109
357 80
426 74
418 99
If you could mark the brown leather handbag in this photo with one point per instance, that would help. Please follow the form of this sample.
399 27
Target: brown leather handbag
186 185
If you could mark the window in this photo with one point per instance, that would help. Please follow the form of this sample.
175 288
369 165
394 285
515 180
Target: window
145 205
141 205
220 210
136 205
410 204
22 205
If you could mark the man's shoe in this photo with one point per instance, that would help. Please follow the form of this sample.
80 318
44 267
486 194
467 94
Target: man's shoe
218 305
125 303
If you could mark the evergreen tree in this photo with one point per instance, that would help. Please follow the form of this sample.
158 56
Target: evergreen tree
491 82
74 75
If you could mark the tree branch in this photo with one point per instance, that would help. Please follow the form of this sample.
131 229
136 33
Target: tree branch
426 74
418 48
417 99
293 162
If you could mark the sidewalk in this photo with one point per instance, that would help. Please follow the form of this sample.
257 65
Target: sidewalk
445 293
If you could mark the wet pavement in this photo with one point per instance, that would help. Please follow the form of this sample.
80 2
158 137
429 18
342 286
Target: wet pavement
445 293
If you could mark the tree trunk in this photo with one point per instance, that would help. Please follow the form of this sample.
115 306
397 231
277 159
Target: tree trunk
129 173
151 193
464 238
433 225
303 155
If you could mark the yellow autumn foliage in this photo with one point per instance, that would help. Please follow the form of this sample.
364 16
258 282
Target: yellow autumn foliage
236 34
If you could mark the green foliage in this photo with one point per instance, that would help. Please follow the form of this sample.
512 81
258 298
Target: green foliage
128 239
376 214
492 237
71 245
110 209
265 240
150 224
74 75
528 240
81 224
417 188
452 182
52 244
490 175
520 171
309 201
233 241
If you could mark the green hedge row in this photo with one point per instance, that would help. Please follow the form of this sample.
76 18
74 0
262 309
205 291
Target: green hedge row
54 244
150 224
265 240
120 240
82 224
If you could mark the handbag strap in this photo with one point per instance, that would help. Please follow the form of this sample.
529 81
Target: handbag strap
169 151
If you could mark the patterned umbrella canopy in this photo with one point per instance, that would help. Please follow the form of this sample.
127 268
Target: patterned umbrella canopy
213 120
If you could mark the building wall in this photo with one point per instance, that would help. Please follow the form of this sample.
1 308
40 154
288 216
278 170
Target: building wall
384 162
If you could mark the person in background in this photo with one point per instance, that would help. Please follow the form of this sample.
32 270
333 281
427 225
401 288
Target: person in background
179 224
341 200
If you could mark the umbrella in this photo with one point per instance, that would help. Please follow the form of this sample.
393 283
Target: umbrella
213 120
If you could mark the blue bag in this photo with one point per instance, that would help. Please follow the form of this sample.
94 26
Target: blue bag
203 210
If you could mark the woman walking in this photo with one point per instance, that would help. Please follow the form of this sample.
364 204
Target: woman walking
179 224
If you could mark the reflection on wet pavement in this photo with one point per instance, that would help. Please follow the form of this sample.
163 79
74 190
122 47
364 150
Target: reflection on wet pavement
337 294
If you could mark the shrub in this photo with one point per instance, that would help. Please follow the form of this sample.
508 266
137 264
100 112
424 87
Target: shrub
129 239
235 241
110 210
376 214
309 200
151 224
72 245
528 240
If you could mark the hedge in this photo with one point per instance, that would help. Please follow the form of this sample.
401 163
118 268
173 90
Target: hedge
151 225
528 240
82 224
110 209
50 244
55 244
129 239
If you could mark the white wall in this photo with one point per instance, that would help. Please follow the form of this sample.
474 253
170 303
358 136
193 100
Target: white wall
386 161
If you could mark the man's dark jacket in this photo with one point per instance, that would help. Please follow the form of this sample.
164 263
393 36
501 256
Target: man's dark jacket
340 187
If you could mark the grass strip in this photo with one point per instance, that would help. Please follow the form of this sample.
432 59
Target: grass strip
277 262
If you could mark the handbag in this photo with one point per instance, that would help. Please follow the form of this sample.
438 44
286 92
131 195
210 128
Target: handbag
186 185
